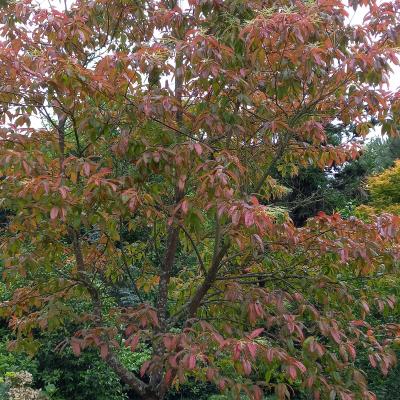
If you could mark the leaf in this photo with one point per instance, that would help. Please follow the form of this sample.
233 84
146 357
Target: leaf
54 213
257 332
144 368
168 376
26 167
365 306
372 360
169 343
198 148
185 206
210 374
352 351
86 168
335 335
134 342
63 191
104 351
281 391
246 367
248 218
172 361
292 372
76 346
191 362
268 375
252 347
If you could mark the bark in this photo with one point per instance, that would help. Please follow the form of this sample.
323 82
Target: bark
128 377
156 378
195 302
173 231
137 385
169 258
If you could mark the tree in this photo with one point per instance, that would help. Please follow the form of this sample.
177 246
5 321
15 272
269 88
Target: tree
152 172
383 189
342 188
314 189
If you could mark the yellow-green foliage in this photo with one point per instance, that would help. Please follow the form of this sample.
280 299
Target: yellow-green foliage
384 192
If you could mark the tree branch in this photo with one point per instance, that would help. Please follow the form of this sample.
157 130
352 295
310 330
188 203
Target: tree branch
203 268
111 359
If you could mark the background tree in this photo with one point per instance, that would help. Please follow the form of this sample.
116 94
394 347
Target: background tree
170 133
383 190
341 188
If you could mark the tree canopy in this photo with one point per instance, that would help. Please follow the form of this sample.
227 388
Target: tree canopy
144 210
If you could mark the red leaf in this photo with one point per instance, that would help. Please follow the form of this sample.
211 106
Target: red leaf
257 393
172 361
246 367
252 347
335 335
365 306
192 362
86 168
198 148
270 355
210 374
359 322
26 167
104 351
254 201
257 332
219 339
54 212
249 218
292 372
134 342
372 360
169 343
235 217
236 351
144 368
281 391
352 351
185 206
168 376
76 346
300 366
153 317
310 381
130 328
63 191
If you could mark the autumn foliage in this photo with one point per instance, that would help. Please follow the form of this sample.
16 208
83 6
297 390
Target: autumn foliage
164 135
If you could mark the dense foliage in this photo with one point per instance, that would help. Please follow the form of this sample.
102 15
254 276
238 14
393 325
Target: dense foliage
147 224
339 189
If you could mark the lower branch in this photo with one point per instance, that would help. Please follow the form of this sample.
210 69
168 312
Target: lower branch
209 279
128 377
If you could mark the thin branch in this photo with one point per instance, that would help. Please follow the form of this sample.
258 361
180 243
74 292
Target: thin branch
203 268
